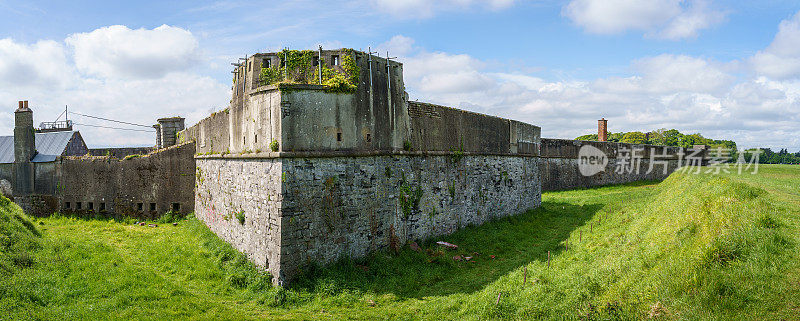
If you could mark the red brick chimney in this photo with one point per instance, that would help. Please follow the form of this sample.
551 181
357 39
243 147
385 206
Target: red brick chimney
602 130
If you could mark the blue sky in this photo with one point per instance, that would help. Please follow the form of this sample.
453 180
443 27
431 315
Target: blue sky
729 70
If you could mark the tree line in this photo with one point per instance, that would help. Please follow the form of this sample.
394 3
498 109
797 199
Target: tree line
673 137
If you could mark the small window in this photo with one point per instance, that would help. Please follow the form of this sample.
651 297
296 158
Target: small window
255 139
176 207
140 207
315 61
266 63
152 207
244 140
334 60
249 66
283 63
102 206
338 137
91 206
369 138
79 205
67 205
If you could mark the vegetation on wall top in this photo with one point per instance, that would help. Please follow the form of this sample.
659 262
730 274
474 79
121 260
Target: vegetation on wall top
298 67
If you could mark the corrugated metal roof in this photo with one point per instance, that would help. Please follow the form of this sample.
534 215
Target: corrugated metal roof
6 149
48 145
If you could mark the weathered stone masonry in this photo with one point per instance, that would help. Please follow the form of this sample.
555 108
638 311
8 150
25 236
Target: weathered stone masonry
293 174
51 172
302 209
559 165
145 186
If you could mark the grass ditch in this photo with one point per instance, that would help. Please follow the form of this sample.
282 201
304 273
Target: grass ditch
692 247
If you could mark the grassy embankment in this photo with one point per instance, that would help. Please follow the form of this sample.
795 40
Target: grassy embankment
691 247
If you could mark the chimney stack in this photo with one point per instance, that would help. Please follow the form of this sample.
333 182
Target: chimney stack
602 130
167 131
24 150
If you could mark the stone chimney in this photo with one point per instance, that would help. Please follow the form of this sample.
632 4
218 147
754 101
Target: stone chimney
602 130
167 131
24 150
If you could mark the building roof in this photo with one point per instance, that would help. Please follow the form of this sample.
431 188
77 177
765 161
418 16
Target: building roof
49 146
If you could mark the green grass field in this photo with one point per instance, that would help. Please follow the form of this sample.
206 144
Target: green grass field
692 247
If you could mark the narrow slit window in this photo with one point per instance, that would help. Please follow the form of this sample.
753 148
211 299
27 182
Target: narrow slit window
152 207
369 138
91 206
338 137
140 207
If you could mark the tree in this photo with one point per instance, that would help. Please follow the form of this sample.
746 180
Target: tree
688 141
657 137
672 137
634 138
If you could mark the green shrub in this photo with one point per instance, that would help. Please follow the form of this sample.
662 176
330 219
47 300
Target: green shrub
240 217
273 145
171 217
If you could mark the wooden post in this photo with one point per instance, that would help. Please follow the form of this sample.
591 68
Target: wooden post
524 275
566 245
498 298
548 259
580 236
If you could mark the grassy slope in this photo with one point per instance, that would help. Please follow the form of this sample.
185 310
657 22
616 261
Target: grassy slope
694 247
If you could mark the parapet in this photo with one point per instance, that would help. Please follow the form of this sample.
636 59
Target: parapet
344 102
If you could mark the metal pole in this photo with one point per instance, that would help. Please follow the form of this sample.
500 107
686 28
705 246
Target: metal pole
389 77
369 61
371 96
389 89
285 63
319 62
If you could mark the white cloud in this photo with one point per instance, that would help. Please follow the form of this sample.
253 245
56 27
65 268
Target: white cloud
669 19
117 51
421 9
671 73
687 24
399 45
46 73
781 59
42 64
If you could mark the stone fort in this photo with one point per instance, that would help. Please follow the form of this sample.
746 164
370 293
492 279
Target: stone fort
319 156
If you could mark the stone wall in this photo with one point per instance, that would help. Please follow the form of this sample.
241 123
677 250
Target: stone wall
298 210
145 186
441 128
246 186
120 152
559 163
